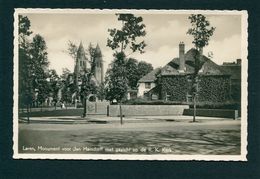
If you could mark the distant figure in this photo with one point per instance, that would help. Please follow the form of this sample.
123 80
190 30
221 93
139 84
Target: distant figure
62 105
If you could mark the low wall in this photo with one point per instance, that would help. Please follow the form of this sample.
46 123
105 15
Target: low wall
61 112
147 110
97 108
222 113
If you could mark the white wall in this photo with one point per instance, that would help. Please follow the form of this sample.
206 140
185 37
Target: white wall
142 89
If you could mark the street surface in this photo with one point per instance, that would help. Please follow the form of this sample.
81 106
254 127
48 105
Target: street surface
138 135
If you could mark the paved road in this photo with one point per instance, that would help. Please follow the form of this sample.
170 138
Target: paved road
176 137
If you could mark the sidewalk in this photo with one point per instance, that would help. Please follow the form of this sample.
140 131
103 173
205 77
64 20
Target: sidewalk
102 119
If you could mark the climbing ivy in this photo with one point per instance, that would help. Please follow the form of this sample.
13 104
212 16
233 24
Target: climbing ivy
211 88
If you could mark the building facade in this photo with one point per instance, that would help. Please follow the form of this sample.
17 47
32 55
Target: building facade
172 82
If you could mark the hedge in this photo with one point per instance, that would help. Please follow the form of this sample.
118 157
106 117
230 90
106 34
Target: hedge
204 105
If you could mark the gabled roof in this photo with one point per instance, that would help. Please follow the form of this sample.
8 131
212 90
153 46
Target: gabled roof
150 77
208 68
172 68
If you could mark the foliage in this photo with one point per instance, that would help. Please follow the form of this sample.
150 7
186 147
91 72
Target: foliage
218 105
24 29
54 84
66 95
132 72
143 101
25 78
211 88
101 92
39 59
88 85
176 87
33 63
65 73
136 70
200 30
72 50
144 68
116 79
214 88
132 28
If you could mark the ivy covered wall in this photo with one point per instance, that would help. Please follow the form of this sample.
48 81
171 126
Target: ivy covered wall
214 88
176 87
211 88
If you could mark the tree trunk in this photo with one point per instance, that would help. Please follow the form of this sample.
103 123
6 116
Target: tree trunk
28 114
75 103
194 108
85 107
120 111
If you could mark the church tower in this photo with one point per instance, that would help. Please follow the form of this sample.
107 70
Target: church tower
81 63
99 71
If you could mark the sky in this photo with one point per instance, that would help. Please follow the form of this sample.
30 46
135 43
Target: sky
164 33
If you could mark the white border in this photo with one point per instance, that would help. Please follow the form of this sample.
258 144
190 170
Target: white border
244 92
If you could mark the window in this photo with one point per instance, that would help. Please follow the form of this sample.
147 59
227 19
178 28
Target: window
147 85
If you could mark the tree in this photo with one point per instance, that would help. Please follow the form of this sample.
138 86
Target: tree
201 32
39 68
132 28
54 85
24 30
132 72
136 70
144 68
126 37
25 78
116 79
101 91
72 50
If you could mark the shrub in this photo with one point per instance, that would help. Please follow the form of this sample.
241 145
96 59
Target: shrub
142 101
201 105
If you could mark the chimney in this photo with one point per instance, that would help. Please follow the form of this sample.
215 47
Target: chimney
181 56
239 61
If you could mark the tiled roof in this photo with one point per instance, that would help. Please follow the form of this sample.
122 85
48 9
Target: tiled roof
208 68
150 77
172 68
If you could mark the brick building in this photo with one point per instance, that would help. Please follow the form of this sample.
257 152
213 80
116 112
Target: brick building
171 81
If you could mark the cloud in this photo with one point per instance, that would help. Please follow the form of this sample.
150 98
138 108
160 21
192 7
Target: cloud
226 50
164 32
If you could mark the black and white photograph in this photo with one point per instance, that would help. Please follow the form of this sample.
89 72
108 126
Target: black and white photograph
130 84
